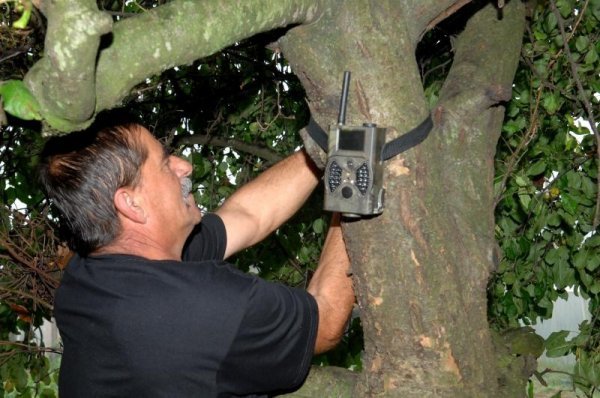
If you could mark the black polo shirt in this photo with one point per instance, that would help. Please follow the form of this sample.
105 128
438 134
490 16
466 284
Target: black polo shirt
133 327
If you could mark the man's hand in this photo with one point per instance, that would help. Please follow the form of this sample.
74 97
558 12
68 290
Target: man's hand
317 154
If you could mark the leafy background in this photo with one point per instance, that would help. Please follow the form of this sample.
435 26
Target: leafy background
235 113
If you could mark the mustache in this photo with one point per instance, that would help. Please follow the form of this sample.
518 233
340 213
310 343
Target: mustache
186 186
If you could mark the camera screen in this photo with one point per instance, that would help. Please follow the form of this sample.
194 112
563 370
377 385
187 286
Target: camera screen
352 140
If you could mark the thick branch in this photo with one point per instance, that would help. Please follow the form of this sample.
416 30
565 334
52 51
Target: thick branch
71 89
478 51
470 119
420 16
425 15
182 31
63 81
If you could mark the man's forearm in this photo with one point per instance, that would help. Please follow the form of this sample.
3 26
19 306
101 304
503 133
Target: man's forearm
332 287
281 190
262 205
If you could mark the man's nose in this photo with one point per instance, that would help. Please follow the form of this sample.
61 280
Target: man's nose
180 166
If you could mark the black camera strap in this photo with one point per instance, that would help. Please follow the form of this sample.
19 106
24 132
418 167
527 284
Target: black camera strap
413 138
317 134
396 146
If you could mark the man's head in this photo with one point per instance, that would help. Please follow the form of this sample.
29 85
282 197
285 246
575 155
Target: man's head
117 182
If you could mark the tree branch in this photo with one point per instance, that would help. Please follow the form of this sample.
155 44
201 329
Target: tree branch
30 347
63 81
445 14
35 298
519 152
468 85
71 89
182 31
262 152
10 248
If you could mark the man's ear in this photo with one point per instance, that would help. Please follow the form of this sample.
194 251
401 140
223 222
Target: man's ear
126 204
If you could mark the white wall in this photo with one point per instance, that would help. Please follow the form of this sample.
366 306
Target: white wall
567 315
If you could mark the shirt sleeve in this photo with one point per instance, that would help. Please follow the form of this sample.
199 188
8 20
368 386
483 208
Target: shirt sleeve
207 241
275 341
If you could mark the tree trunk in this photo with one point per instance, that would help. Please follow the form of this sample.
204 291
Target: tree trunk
421 267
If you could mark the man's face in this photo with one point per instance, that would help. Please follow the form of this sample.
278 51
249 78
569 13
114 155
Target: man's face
165 191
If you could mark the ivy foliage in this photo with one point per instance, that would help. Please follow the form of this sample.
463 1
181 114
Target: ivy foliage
546 182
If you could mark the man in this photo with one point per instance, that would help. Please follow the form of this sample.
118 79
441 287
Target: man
148 308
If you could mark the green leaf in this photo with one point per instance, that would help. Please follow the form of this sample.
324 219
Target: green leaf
569 203
556 344
525 201
596 13
574 180
537 168
582 43
18 101
591 57
514 125
570 142
20 378
588 367
318 226
223 167
558 255
509 278
564 275
593 241
522 181
553 220
581 259
47 393
587 280
551 103
550 23
595 288
588 187
564 7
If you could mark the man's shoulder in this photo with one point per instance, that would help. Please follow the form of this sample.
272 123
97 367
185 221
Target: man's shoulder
208 240
126 276
108 267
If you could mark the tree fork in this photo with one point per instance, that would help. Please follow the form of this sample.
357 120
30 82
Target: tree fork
414 293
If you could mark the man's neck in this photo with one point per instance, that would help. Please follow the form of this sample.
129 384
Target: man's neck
142 247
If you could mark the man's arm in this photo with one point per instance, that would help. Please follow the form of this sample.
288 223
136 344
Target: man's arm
259 207
331 286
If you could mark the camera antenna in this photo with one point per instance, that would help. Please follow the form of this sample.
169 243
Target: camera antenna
344 98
